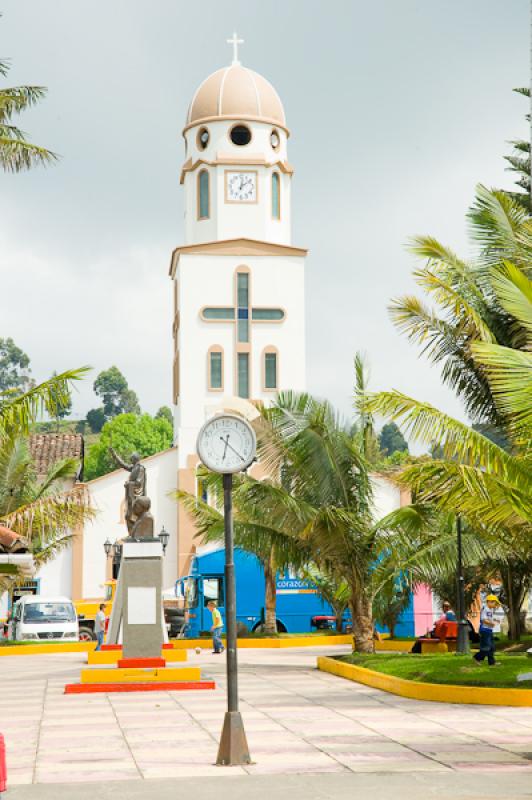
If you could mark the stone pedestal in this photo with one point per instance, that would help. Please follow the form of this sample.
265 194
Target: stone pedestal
137 613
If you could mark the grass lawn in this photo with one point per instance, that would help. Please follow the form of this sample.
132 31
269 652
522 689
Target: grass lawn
448 668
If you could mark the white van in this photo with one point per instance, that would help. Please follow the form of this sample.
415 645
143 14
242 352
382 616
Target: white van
44 619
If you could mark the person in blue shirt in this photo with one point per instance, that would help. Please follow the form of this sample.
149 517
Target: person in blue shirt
488 622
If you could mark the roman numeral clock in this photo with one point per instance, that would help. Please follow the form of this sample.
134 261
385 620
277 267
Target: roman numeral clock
239 306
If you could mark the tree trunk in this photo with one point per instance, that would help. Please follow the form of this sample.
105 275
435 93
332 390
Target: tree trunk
270 597
515 588
361 612
339 614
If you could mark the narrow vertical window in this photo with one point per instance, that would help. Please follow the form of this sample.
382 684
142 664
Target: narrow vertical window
203 195
243 306
276 196
215 369
243 374
270 370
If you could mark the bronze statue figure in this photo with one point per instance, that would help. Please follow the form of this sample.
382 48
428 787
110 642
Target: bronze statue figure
135 487
143 527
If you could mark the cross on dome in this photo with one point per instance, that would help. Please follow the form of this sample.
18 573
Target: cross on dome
235 41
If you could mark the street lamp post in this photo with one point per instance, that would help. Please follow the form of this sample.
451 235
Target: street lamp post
226 444
164 536
462 644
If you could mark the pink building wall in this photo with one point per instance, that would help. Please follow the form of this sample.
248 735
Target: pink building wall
423 613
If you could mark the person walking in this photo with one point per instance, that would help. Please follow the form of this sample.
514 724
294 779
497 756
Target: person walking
488 622
99 626
217 628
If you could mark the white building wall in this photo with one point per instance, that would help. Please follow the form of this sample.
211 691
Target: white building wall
386 496
107 494
56 575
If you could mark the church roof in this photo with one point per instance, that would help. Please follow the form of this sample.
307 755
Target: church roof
236 92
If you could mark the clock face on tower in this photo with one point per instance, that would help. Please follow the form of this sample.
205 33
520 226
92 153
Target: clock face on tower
241 187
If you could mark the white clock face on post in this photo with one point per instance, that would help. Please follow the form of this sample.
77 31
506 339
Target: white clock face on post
226 444
242 187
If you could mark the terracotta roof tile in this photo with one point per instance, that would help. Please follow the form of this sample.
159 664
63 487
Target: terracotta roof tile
11 542
47 448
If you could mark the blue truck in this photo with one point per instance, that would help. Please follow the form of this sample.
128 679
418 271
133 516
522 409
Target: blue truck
299 608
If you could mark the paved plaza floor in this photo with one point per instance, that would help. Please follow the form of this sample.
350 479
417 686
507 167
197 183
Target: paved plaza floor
298 721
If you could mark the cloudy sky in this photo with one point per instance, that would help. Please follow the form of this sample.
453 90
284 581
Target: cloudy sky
397 109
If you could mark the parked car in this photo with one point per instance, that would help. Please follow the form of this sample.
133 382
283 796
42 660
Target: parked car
39 618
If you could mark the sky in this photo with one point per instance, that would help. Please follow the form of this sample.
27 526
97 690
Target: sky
397 109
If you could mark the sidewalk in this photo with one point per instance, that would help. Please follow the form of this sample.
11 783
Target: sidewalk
298 722
417 786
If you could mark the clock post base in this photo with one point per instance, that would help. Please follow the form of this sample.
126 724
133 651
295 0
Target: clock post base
233 750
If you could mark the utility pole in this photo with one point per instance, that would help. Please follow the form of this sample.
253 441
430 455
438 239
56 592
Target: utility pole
462 644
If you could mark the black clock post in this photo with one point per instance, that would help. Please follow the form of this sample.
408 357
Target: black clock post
233 749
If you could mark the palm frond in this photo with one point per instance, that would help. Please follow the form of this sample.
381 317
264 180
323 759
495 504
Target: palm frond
18 413
15 99
510 375
17 155
427 424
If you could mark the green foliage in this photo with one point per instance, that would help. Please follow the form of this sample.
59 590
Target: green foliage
391 440
38 509
448 669
519 162
96 419
14 367
466 309
165 413
18 414
390 601
127 433
483 338
112 387
16 153
316 507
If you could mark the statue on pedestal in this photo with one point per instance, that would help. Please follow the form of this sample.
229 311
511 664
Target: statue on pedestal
135 487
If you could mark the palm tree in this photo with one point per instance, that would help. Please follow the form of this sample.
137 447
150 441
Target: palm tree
487 484
16 153
465 311
318 506
38 510
480 333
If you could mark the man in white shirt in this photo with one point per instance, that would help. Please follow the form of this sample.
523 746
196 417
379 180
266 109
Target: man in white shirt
99 626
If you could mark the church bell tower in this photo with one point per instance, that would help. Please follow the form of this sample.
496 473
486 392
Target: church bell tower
239 321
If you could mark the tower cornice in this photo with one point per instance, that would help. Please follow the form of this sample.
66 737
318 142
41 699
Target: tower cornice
223 159
235 247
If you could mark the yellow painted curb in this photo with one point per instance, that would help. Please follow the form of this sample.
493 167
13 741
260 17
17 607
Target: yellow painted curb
139 675
390 645
301 641
436 692
40 649
112 656
180 644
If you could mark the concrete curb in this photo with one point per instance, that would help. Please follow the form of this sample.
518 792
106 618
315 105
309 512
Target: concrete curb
435 692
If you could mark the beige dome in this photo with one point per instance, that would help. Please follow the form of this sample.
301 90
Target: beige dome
236 92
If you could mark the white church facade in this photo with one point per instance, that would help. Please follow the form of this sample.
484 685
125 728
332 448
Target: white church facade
238 284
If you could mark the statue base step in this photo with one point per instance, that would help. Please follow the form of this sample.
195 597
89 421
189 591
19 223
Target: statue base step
140 674
162 686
